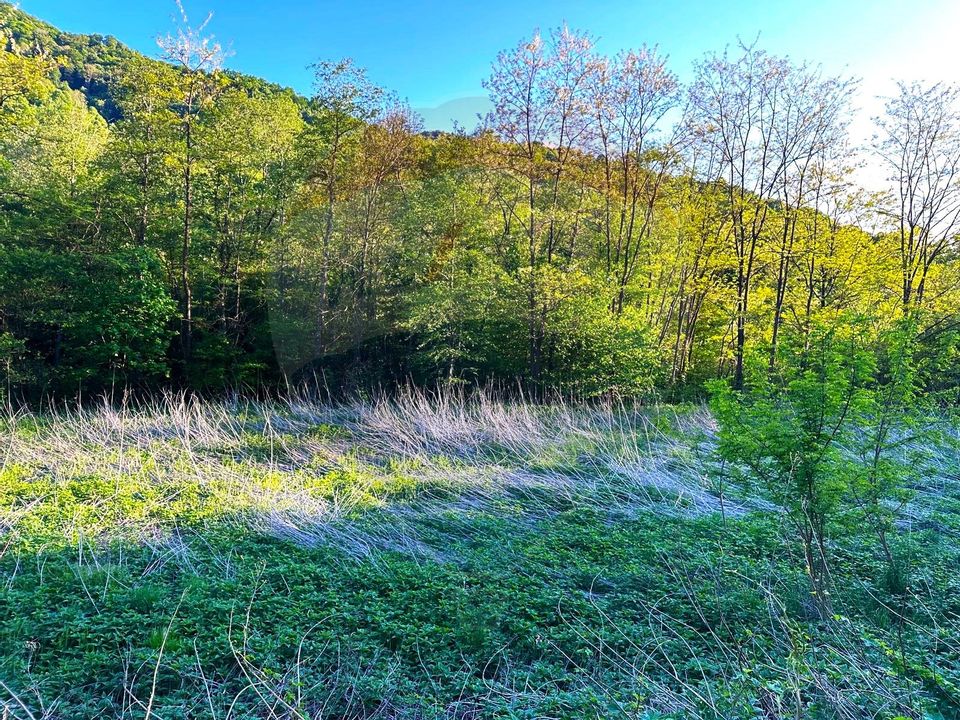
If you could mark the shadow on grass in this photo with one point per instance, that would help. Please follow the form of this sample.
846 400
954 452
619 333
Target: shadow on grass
566 616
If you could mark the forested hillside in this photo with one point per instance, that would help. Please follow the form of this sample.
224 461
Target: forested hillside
604 230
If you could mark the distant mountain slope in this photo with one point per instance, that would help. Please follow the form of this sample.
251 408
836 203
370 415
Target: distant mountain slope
92 63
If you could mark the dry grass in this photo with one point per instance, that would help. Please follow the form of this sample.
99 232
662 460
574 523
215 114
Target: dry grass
305 470
268 464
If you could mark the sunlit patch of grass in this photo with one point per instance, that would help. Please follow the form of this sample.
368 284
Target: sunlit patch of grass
328 431
47 509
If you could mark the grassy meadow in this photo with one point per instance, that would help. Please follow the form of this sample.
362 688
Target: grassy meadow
444 556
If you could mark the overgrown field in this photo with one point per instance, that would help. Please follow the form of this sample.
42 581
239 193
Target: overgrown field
443 557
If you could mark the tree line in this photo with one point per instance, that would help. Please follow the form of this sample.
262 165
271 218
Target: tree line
604 230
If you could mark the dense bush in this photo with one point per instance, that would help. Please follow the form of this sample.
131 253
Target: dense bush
80 321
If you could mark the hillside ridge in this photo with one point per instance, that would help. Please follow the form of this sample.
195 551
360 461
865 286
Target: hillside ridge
92 63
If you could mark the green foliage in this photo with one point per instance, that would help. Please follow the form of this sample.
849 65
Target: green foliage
181 225
85 319
327 239
23 81
418 634
466 321
596 352
819 434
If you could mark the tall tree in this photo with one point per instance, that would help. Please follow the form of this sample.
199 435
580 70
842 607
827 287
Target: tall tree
632 95
248 146
344 101
765 117
812 127
918 142
143 150
542 112
198 58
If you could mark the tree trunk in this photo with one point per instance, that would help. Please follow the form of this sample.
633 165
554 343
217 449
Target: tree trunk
187 333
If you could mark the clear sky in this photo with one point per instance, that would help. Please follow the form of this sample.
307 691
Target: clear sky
436 54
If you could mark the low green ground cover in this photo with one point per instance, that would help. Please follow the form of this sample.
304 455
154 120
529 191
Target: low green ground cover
325 563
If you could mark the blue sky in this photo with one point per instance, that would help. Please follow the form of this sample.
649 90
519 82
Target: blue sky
436 54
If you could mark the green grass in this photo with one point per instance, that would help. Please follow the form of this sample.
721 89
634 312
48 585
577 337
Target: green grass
340 573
